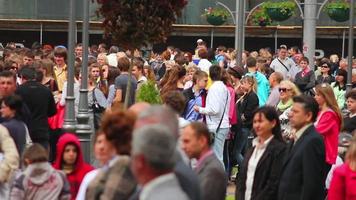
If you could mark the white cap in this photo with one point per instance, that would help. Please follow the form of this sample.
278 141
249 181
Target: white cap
199 41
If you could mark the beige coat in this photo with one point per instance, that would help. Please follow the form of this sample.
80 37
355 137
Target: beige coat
10 156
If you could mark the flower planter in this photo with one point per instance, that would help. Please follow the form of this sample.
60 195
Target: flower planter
339 14
279 14
263 23
215 20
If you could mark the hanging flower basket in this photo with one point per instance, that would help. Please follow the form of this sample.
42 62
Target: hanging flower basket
338 11
261 18
216 16
279 11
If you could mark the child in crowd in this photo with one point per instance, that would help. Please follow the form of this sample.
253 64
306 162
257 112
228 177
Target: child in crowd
39 180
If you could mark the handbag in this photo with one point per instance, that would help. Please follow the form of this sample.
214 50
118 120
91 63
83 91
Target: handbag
98 111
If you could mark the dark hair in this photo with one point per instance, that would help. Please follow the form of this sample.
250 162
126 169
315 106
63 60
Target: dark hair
29 54
271 114
175 100
35 154
215 73
201 130
251 61
123 64
8 74
27 72
351 94
118 126
309 105
14 102
138 62
60 52
305 59
113 72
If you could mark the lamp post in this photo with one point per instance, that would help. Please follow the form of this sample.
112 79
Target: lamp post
84 129
69 119
309 31
351 46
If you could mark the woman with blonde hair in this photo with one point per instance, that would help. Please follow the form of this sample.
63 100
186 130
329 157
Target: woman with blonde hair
328 122
343 184
287 90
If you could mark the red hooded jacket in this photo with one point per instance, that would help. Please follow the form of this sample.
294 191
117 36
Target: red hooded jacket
81 168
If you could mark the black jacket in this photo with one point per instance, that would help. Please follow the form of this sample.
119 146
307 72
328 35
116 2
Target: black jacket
246 108
304 169
40 101
267 173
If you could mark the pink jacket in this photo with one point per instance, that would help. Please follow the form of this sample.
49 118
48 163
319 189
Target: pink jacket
343 184
232 111
328 125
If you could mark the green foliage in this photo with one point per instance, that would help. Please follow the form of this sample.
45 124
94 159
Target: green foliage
148 93
260 16
339 4
216 12
135 23
284 6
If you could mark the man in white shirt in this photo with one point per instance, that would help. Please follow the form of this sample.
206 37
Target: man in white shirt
204 63
284 65
216 111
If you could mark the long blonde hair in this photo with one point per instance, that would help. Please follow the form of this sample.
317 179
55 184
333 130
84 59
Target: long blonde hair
351 154
292 86
252 81
327 92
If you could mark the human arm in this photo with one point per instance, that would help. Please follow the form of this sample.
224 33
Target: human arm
337 186
311 82
327 122
11 158
52 110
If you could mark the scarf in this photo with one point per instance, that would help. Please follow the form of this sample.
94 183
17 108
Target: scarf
282 107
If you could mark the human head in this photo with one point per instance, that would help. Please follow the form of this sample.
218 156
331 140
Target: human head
195 139
7 83
304 63
248 83
11 107
215 73
324 95
102 59
153 152
203 53
157 114
220 50
251 62
34 154
175 100
275 79
70 154
78 50
293 50
266 121
287 90
123 64
60 55
304 111
103 149
94 71
341 76
343 64
200 79
137 69
117 127
282 53
27 73
28 58
325 67
351 101
113 72
139 107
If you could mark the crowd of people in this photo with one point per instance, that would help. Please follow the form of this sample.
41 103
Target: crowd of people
277 126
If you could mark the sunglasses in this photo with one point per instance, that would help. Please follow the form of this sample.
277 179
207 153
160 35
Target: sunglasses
283 89
324 66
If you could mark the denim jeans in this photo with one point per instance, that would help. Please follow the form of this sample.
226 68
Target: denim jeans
241 142
219 142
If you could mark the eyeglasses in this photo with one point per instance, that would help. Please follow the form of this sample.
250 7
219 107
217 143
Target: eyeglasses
283 89
13 68
324 66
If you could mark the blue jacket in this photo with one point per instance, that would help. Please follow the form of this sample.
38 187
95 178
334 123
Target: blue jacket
262 87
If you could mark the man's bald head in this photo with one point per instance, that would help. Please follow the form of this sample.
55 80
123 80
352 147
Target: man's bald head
137 108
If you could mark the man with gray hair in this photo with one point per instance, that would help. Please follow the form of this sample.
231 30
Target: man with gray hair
165 116
153 160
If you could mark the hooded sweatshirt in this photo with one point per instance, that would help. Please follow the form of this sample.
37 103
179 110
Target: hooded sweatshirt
80 169
40 181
